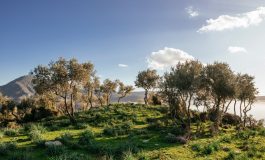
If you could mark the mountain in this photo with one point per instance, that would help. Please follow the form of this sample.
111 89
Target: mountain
18 88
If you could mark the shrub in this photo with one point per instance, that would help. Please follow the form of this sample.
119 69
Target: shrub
71 156
142 156
109 131
226 139
196 147
11 132
35 135
245 135
38 114
1 134
5 148
171 138
177 130
262 132
35 132
20 155
86 137
38 127
230 119
231 156
65 138
53 150
156 126
116 130
81 126
127 146
210 148
128 156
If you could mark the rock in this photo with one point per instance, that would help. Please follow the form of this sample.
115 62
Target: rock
226 149
181 140
145 141
53 143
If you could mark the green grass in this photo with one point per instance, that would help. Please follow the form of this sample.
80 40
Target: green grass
139 132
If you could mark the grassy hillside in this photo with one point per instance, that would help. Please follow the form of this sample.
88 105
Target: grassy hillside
126 132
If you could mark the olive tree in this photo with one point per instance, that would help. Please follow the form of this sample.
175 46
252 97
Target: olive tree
90 88
219 80
180 88
246 95
147 80
108 88
65 79
123 90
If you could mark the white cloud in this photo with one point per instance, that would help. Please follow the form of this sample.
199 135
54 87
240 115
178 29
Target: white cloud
192 12
227 22
123 65
167 57
235 49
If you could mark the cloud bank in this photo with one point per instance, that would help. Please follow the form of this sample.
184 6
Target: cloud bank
167 57
236 49
192 12
123 65
227 22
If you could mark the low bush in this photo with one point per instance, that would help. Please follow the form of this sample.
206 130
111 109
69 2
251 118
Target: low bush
231 156
171 138
116 130
226 139
210 148
35 135
35 132
128 155
86 137
71 156
231 119
127 146
196 147
20 155
1 134
11 132
54 150
81 126
65 138
6 148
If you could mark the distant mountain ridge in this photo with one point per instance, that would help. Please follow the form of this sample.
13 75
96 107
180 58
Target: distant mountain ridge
18 88
23 87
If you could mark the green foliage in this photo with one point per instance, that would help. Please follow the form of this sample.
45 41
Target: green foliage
20 155
6 148
71 156
196 147
210 148
117 130
65 138
86 137
1 134
81 126
11 132
231 156
53 150
35 132
171 138
226 139
128 155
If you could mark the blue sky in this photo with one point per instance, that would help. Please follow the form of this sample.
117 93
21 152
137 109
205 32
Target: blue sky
138 34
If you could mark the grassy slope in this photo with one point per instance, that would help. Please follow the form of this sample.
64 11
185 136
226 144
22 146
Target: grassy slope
150 141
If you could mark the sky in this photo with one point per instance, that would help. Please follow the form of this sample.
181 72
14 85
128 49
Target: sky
123 37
